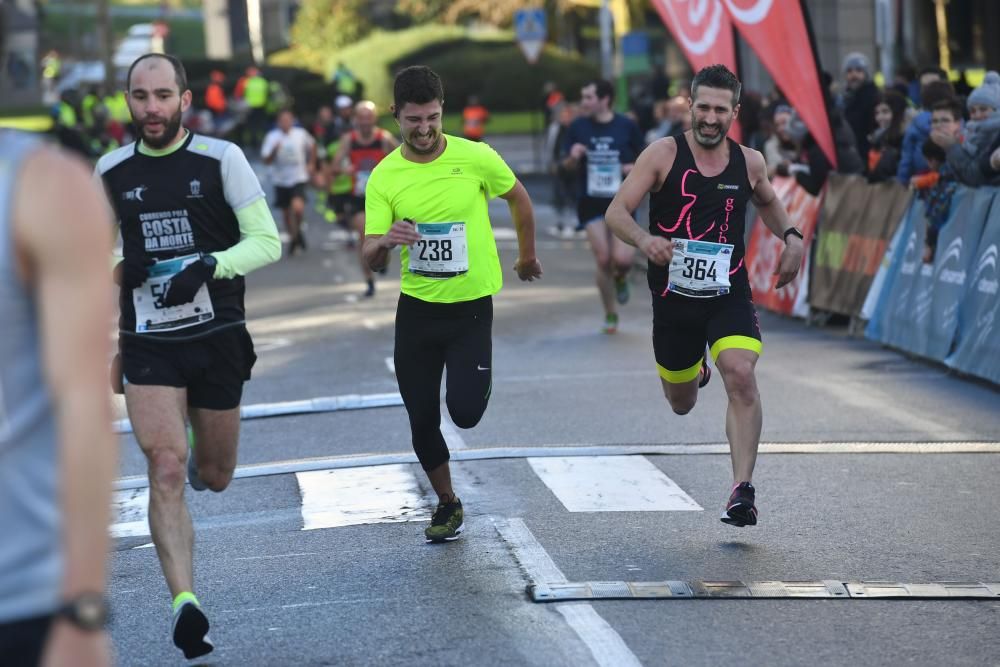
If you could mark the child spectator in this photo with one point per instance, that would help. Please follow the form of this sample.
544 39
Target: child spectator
936 189
911 159
886 141
980 132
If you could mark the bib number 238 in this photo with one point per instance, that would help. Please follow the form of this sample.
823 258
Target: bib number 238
441 252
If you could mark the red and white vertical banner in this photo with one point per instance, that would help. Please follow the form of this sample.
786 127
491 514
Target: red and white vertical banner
776 31
703 31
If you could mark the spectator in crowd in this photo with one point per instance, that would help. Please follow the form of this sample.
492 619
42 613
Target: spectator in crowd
563 180
911 159
848 159
551 97
935 188
474 119
859 99
990 164
780 148
215 97
926 75
675 122
751 108
980 132
886 142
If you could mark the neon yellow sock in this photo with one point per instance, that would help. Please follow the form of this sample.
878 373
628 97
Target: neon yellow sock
186 596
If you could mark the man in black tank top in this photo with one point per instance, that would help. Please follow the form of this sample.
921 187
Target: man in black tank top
699 185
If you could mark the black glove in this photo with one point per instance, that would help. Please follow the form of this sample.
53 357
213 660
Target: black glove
133 271
186 283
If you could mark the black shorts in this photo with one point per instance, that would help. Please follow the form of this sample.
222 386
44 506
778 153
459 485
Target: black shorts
22 642
345 205
589 209
212 369
283 196
682 326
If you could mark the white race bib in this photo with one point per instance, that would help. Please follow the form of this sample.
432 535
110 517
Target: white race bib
603 179
361 182
152 315
441 252
700 269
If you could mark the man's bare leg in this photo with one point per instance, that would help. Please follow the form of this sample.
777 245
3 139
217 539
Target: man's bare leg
600 246
216 437
743 416
158 420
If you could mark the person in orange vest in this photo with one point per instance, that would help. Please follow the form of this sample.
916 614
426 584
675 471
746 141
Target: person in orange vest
215 97
474 119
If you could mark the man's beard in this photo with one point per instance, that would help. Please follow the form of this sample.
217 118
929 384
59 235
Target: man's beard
170 129
424 151
709 141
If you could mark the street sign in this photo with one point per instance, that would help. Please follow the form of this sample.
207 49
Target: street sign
529 25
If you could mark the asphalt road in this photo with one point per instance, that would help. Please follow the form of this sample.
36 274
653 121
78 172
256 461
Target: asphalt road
360 586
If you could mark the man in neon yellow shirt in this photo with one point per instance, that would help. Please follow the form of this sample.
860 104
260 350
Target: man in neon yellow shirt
431 196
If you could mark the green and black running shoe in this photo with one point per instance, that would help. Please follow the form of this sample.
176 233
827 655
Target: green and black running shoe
447 523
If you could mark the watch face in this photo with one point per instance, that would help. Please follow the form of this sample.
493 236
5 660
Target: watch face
89 611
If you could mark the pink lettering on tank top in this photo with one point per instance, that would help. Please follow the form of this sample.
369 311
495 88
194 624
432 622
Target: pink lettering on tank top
687 210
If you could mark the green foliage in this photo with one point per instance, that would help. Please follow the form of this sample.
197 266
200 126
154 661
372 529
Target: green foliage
487 64
321 25
499 75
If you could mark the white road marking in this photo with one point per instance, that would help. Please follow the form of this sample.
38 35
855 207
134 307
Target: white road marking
268 344
351 298
611 484
129 509
605 644
391 365
369 324
318 404
496 453
387 494
296 555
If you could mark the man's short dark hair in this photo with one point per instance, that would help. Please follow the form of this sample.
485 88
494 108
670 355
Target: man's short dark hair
717 76
180 76
949 104
933 69
935 91
602 88
417 84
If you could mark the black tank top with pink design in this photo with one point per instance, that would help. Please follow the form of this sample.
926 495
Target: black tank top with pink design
692 206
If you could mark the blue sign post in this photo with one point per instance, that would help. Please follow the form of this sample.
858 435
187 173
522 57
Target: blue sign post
529 25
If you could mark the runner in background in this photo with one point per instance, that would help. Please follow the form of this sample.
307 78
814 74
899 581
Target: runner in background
357 154
292 153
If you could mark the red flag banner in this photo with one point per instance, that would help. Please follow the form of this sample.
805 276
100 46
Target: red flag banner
764 251
704 33
776 31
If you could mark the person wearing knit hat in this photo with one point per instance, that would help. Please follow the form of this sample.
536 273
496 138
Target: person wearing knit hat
981 132
984 101
859 99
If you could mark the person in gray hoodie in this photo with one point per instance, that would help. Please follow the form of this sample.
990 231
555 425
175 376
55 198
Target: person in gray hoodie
981 131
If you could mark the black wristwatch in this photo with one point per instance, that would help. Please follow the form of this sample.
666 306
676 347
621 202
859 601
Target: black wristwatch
210 261
87 611
794 232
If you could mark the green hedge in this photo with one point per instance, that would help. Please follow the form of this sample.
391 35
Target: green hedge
498 73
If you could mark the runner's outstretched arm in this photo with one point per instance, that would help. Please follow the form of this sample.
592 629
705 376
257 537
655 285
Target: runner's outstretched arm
527 266
774 216
645 176
62 245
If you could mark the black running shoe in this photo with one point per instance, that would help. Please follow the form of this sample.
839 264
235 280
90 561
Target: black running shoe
740 510
191 631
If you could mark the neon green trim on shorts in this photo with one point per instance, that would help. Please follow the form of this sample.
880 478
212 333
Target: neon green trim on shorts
186 596
680 377
737 343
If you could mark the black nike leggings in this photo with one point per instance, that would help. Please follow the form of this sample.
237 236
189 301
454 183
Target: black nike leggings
429 338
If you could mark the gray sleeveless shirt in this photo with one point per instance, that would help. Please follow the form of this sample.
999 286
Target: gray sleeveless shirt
30 541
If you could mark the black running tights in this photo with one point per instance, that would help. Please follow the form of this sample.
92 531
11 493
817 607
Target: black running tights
429 338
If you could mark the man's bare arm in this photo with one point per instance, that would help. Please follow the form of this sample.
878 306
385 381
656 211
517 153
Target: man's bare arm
523 213
649 170
63 246
772 213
